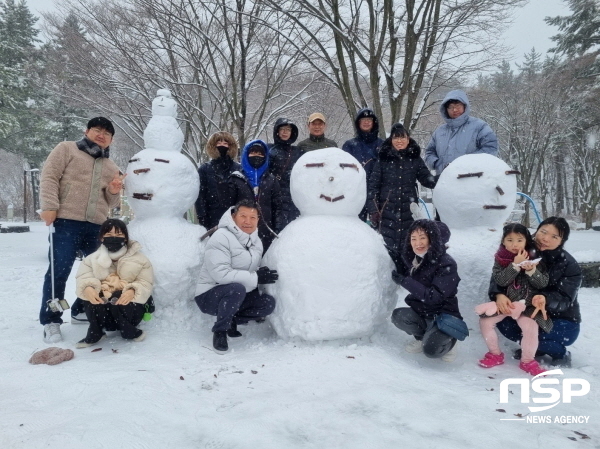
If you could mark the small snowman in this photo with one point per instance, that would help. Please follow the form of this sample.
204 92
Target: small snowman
474 196
334 271
162 184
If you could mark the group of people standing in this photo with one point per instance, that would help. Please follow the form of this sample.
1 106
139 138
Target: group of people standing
245 204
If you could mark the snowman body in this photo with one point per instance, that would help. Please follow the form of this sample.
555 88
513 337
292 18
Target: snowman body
334 271
474 196
161 185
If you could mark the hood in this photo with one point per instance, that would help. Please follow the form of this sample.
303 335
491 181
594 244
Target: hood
438 234
388 152
284 121
211 145
374 133
462 97
254 174
227 222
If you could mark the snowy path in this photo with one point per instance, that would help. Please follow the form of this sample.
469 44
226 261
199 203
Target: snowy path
173 391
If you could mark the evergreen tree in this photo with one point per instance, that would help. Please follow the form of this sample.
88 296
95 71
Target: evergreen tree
580 31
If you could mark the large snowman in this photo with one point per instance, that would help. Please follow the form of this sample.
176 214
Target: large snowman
474 196
334 271
161 185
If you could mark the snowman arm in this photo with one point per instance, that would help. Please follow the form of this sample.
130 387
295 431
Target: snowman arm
504 276
487 142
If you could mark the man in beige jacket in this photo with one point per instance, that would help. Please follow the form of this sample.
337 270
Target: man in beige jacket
79 186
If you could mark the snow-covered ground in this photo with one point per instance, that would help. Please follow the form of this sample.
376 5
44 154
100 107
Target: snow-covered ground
173 391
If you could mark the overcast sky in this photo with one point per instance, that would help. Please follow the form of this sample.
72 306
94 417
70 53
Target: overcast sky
529 29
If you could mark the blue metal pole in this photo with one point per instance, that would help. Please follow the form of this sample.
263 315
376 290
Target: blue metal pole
425 206
535 211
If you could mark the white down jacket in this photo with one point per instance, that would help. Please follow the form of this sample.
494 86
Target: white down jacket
132 267
232 256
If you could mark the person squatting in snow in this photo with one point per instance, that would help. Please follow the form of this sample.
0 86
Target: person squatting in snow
121 257
230 275
432 282
516 270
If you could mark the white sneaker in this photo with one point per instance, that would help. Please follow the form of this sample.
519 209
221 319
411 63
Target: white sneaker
141 337
52 333
450 356
414 347
80 318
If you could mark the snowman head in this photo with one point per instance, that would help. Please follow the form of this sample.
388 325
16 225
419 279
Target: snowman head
328 182
161 184
164 105
163 132
476 190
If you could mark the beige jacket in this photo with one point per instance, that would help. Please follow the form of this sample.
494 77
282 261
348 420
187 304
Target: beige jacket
133 267
75 184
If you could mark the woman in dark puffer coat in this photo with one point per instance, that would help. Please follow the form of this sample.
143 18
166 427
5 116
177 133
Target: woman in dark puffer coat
392 187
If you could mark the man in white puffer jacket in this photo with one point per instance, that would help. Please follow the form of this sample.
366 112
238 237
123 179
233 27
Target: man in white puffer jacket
229 278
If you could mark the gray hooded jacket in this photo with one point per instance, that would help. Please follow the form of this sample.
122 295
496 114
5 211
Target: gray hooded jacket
232 256
459 136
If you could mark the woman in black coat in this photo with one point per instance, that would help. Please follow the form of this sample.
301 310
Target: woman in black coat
432 283
282 157
392 188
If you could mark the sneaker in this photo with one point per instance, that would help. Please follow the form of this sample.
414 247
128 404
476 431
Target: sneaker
52 333
86 344
532 368
220 342
140 337
450 356
233 332
414 347
80 318
489 360
564 361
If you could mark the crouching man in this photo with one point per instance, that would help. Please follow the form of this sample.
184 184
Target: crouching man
229 278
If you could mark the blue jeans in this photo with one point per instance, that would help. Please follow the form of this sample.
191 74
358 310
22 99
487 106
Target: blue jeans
69 237
554 343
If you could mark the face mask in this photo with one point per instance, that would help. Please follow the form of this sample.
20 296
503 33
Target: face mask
222 150
114 244
256 161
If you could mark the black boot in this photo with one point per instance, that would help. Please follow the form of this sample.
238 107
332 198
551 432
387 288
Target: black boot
220 342
517 354
233 332
564 361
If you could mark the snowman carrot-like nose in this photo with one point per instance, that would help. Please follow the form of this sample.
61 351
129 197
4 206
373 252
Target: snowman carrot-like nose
141 170
499 189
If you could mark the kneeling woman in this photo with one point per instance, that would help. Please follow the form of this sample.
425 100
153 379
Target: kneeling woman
120 268
432 282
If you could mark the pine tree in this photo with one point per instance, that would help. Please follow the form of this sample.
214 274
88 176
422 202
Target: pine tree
580 31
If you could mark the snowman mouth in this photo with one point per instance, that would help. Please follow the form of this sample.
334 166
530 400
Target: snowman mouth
141 170
143 196
491 206
332 200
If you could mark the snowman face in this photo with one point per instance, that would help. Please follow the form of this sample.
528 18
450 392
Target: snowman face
161 183
164 106
476 190
328 182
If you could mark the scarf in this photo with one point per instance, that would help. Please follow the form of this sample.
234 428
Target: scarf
91 148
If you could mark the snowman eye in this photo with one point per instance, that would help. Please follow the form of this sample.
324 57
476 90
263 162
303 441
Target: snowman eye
162 160
316 164
512 172
349 166
134 160
470 175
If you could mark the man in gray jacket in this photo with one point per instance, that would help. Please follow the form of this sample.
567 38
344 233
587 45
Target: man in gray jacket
229 277
462 134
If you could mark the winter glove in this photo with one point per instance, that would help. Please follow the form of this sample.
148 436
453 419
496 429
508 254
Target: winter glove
397 277
375 218
266 276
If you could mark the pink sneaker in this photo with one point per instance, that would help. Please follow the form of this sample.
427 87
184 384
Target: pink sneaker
532 368
489 360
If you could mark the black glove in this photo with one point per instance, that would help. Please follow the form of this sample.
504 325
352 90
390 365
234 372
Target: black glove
266 276
397 277
375 218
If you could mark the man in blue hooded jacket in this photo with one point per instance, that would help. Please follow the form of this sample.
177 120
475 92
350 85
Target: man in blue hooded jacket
462 134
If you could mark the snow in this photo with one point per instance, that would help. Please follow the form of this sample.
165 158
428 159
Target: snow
267 393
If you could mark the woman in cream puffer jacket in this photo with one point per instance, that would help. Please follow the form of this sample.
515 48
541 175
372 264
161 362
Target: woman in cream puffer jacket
125 309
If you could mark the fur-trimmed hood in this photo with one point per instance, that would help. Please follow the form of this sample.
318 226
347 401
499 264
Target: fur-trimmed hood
438 234
211 145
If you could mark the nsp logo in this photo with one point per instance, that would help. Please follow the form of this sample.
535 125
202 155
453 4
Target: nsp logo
541 384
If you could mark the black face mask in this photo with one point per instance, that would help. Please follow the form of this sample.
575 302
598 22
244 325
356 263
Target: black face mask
256 161
114 244
222 150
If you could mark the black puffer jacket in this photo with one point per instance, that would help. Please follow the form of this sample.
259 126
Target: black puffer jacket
563 285
282 157
433 284
213 199
392 187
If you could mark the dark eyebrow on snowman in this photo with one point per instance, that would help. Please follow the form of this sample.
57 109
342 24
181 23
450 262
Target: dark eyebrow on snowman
162 160
470 175
512 172
134 160
349 166
316 164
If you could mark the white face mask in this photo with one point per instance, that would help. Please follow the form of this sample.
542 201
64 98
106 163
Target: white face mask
422 254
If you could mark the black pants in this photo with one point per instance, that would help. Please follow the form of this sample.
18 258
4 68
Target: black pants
111 317
435 342
230 303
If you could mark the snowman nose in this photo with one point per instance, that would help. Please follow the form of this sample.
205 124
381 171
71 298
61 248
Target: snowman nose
499 189
331 178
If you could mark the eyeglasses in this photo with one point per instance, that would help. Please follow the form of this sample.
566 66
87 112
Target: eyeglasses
455 107
285 128
101 132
